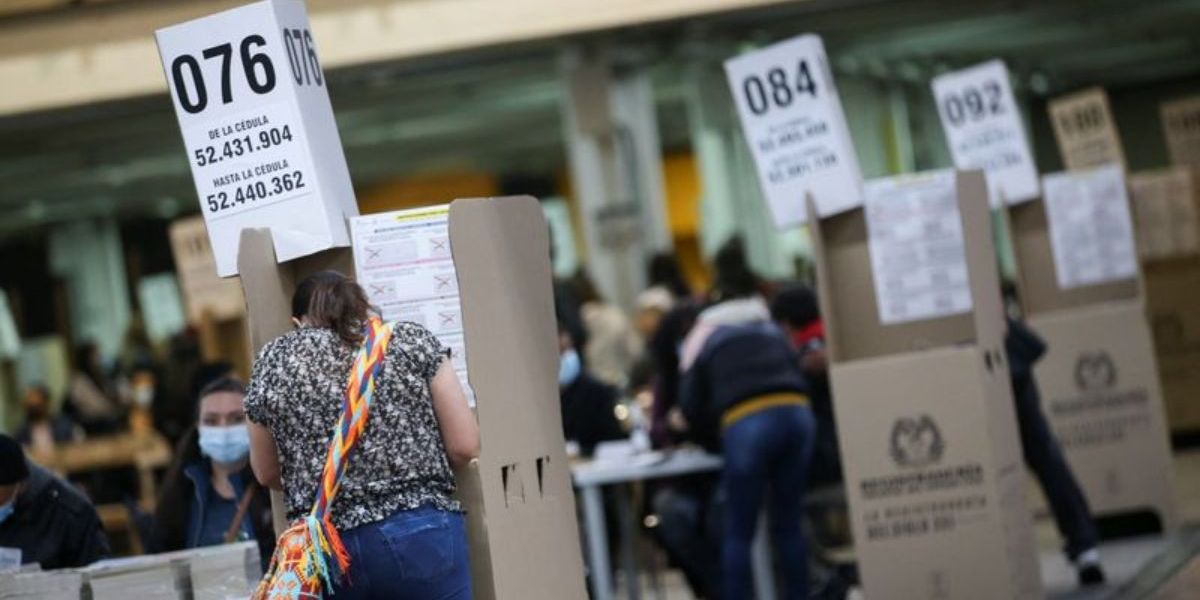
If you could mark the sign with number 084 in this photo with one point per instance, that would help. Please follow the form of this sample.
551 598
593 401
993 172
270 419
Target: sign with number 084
258 127
984 130
793 122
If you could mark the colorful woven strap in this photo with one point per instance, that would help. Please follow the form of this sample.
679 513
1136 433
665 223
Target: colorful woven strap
356 405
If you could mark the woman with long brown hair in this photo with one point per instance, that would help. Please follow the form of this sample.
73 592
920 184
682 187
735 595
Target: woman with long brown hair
404 532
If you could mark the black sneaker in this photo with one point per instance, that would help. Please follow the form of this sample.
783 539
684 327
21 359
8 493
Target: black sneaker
1091 575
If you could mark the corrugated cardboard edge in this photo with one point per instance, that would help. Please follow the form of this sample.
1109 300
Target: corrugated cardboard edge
501 252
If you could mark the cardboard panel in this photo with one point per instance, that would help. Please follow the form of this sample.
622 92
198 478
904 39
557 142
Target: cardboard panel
1172 293
853 328
933 475
1085 131
1100 391
1181 125
501 250
204 294
1037 279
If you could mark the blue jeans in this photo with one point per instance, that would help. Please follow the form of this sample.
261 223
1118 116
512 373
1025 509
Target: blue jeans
416 554
766 455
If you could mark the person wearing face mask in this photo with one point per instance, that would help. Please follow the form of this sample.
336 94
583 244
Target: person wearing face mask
44 518
42 430
210 496
588 405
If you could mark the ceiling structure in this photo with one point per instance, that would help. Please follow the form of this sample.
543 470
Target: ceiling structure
498 110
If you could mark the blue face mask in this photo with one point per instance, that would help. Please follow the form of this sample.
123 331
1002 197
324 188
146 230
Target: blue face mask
6 510
225 445
569 367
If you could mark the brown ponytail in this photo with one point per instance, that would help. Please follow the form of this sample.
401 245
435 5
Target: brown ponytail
330 299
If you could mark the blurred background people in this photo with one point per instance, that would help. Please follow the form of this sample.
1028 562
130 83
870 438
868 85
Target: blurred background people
1045 458
795 309
743 393
612 346
44 517
91 399
210 496
588 405
43 429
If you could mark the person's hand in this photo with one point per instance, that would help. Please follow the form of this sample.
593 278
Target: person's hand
676 422
815 360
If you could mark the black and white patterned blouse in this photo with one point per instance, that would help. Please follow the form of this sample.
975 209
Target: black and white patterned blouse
399 463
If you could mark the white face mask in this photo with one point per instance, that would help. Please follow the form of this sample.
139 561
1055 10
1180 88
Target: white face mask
225 445
143 396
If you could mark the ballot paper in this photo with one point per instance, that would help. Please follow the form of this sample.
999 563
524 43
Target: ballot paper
1091 231
41 585
918 257
225 571
150 576
403 261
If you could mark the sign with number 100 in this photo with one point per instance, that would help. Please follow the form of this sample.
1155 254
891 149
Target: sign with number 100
250 97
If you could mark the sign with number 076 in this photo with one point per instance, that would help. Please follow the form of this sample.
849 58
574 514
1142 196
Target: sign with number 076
792 119
251 102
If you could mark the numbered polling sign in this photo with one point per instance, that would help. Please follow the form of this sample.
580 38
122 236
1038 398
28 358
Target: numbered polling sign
918 252
264 150
1091 231
984 130
1181 124
1085 131
793 121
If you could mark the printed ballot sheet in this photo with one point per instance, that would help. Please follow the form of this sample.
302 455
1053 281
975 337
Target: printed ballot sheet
918 257
1091 232
403 261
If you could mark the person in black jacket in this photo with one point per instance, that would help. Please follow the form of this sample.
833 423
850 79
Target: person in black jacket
43 517
743 392
588 406
1045 458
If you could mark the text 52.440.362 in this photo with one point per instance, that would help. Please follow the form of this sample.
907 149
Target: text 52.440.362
253 192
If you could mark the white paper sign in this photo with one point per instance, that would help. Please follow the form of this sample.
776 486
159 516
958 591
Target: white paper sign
1181 124
918 257
984 130
403 261
1091 232
792 119
251 101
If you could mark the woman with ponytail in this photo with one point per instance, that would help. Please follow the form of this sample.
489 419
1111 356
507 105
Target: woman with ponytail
397 531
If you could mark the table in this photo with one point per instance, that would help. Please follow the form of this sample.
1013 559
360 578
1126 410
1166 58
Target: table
588 477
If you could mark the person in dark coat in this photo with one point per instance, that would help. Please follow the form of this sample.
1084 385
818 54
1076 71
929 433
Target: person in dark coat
211 478
43 517
1044 457
588 406
795 309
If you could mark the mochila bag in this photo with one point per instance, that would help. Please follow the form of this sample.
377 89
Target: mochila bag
309 556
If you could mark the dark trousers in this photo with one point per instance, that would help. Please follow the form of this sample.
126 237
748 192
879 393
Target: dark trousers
1045 458
412 555
687 516
766 456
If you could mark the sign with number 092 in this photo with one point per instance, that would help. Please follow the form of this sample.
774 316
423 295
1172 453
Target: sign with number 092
984 130
793 122
250 98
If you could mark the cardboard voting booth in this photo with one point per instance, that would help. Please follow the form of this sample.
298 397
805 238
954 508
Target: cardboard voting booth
922 395
524 542
1099 379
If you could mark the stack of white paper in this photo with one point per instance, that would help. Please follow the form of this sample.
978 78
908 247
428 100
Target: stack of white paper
41 585
225 572
159 576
